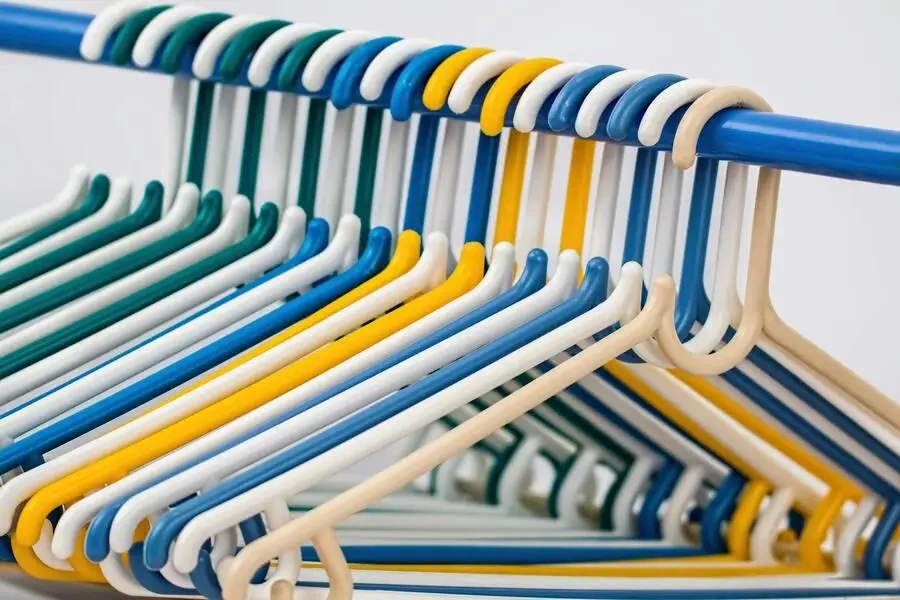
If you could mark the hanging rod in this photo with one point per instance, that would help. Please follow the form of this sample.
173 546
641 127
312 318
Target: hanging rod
758 138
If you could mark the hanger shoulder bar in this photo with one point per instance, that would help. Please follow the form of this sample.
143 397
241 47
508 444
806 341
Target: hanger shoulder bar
759 138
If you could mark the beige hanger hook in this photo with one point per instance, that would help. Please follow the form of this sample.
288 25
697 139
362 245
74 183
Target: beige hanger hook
315 524
782 334
759 269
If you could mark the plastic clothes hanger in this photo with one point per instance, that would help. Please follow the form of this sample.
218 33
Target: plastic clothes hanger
649 319
72 192
659 112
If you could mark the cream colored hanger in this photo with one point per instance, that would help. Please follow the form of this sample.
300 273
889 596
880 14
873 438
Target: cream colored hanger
657 315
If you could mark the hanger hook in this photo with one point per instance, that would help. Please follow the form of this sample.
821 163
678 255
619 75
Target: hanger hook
493 114
102 26
504 89
750 328
274 48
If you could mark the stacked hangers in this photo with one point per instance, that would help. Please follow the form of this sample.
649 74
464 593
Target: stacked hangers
187 381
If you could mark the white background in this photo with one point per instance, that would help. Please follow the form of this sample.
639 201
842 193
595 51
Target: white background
837 244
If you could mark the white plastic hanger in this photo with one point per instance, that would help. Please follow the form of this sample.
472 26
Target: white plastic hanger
71 194
115 208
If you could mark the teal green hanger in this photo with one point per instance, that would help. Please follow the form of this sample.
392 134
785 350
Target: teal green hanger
92 203
368 168
288 79
148 212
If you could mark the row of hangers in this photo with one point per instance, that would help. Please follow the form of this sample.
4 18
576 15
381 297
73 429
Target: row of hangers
188 380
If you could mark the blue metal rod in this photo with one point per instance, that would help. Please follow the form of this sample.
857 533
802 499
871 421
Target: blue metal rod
786 142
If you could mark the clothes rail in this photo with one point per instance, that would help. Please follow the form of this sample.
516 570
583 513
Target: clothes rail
752 137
